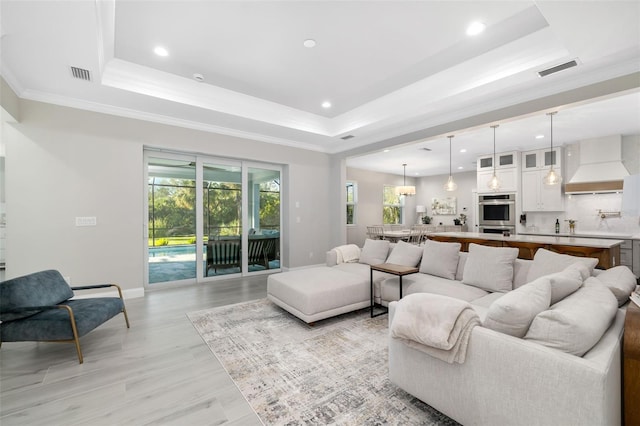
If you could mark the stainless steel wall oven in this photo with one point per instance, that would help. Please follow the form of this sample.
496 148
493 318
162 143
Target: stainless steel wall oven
497 213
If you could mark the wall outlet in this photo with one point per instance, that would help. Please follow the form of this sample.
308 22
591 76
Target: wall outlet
86 221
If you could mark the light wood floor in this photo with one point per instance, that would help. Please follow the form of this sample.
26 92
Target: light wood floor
157 372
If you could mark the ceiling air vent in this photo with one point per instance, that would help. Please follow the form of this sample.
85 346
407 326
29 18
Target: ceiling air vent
81 73
557 68
346 138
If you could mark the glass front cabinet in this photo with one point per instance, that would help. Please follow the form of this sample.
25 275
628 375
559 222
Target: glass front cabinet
536 196
542 159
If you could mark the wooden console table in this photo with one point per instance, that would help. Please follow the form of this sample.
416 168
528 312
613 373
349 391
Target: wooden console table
631 365
393 269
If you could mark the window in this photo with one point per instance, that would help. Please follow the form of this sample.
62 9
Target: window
352 199
392 206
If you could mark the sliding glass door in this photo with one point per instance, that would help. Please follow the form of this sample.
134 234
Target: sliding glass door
210 217
171 194
222 218
263 216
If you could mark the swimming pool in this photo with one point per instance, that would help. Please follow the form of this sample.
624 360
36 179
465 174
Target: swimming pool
171 251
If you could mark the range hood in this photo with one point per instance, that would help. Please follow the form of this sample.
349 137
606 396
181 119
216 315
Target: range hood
600 167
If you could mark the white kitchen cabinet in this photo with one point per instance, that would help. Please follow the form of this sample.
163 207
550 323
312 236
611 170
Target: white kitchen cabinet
508 179
507 169
626 253
541 159
538 197
504 160
636 257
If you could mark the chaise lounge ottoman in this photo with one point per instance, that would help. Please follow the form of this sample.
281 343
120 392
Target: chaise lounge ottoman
317 293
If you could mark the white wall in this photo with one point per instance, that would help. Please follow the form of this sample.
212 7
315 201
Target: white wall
369 206
431 187
62 163
584 209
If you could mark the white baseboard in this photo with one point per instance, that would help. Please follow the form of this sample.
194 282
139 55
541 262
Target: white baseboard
130 293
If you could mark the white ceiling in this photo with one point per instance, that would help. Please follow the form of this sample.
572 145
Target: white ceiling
615 115
396 72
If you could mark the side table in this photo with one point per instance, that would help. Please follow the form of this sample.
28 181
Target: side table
393 269
631 365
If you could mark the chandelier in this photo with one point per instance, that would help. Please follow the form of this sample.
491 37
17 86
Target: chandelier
406 190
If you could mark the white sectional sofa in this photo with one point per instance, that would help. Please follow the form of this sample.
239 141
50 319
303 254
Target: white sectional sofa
313 294
535 360
507 380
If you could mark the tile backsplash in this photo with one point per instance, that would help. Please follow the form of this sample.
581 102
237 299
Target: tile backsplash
584 208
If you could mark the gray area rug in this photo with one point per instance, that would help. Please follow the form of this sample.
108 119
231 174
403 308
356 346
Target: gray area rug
294 374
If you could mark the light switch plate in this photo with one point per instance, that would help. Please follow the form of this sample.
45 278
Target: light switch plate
86 221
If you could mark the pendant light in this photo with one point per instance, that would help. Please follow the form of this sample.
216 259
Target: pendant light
553 177
494 184
404 189
450 185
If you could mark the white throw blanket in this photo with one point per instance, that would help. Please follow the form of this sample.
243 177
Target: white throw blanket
437 325
348 253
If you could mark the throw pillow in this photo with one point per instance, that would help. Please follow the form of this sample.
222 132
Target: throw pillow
490 268
546 262
564 283
440 259
520 272
462 260
374 252
405 254
582 268
576 323
620 280
512 313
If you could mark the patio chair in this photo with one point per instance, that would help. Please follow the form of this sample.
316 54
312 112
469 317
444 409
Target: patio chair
271 249
223 254
38 307
257 254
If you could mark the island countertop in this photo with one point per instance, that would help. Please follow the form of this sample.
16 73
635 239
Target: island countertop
604 243
587 234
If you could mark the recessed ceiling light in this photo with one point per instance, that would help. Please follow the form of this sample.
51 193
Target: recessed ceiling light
326 104
386 150
161 51
463 150
309 43
539 136
460 167
475 28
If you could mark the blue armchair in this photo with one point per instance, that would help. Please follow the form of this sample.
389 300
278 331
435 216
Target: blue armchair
38 307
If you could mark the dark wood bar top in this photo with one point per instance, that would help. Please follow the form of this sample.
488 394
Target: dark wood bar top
607 251
540 239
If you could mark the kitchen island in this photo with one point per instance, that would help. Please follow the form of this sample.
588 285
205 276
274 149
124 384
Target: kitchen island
607 251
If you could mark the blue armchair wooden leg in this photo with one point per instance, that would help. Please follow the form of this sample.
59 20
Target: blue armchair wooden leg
74 329
124 309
